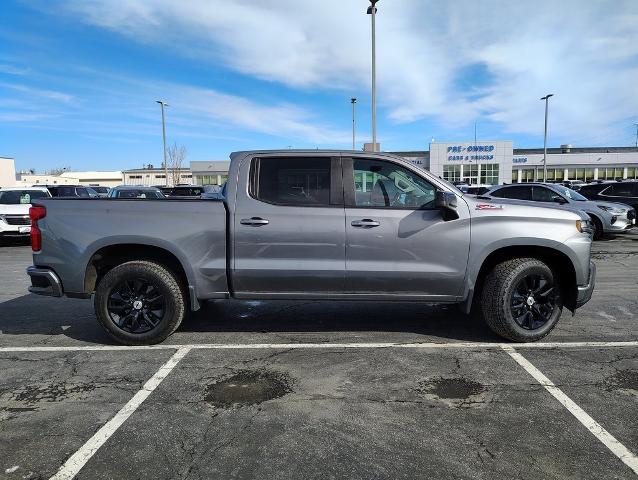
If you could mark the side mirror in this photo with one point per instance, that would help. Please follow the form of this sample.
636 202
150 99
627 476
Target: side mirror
446 201
559 199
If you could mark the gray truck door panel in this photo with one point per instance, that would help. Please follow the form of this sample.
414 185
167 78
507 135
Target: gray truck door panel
397 242
289 234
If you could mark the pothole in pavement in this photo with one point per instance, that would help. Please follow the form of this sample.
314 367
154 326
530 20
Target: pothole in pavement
248 387
454 391
626 380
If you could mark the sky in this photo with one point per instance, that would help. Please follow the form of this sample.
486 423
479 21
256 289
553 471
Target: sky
79 79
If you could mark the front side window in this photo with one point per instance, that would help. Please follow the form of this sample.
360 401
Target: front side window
291 181
385 184
542 194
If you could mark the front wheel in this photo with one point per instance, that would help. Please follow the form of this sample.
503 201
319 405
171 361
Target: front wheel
521 300
139 303
597 228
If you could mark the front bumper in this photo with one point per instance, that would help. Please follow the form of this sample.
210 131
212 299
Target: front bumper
585 291
44 282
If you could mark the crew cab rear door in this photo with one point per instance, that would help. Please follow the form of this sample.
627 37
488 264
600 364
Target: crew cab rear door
288 230
397 242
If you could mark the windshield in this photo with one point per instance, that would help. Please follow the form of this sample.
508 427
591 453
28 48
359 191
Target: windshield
572 194
17 197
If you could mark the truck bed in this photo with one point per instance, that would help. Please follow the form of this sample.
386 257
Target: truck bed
193 231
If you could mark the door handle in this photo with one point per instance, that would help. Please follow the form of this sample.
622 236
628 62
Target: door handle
365 223
254 221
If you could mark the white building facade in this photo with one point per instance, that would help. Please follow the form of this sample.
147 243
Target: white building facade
497 162
7 172
149 177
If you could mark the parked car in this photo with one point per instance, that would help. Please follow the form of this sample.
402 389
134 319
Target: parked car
72 191
103 192
294 224
214 192
132 191
477 190
605 217
164 189
14 210
573 184
462 186
625 192
187 191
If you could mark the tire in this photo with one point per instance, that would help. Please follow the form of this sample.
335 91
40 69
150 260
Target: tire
597 226
139 303
507 286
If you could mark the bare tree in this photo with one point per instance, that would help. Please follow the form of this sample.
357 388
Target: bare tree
57 170
176 155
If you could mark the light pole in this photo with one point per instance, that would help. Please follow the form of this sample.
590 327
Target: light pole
164 104
372 10
353 100
546 98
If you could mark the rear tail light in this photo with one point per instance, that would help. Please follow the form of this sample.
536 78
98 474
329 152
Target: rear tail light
35 214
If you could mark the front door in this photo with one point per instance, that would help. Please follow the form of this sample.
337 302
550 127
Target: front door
288 231
397 242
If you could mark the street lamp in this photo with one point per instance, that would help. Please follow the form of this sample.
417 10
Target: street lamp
546 98
164 104
353 100
372 10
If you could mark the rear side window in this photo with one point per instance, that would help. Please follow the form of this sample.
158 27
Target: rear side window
291 181
516 192
621 190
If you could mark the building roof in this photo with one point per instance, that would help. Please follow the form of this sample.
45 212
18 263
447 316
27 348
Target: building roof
105 175
555 150
210 166
154 170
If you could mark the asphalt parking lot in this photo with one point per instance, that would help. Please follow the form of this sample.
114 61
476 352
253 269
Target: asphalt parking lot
321 390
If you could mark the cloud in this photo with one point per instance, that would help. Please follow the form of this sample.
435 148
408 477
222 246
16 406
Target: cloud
12 70
48 94
126 105
584 52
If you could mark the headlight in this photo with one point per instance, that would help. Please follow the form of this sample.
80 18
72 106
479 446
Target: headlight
612 210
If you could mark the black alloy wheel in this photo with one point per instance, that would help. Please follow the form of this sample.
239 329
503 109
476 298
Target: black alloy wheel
136 305
533 301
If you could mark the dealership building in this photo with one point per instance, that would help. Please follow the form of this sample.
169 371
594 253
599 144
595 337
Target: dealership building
475 163
497 162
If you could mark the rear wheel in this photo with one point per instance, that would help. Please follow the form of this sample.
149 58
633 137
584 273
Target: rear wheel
139 303
521 300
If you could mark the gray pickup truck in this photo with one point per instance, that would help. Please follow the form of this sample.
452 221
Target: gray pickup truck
313 225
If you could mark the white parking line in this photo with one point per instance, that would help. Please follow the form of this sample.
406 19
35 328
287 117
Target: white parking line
617 448
289 346
76 461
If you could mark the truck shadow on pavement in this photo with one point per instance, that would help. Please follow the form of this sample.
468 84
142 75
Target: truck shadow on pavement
38 319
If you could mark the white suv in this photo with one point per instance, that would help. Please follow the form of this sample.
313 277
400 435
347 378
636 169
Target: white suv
14 210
